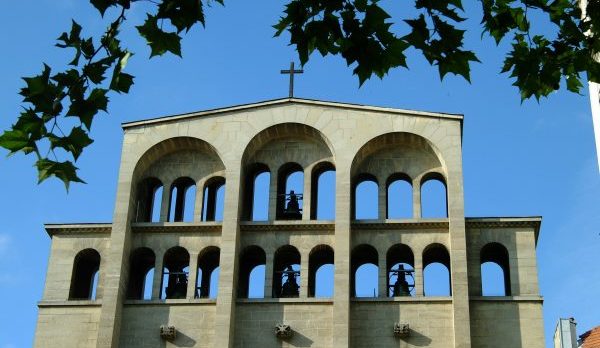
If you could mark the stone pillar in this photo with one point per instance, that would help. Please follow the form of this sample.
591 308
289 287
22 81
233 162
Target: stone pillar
419 274
166 199
381 201
341 293
304 273
228 260
157 280
307 199
458 254
382 275
269 273
117 256
273 196
199 200
416 184
192 276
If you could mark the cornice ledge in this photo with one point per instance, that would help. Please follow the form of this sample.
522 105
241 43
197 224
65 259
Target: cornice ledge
175 227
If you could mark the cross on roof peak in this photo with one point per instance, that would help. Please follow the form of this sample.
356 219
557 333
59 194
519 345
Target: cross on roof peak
291 72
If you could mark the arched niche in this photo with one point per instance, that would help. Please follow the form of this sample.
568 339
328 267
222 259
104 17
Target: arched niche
387 155
275 150
166 162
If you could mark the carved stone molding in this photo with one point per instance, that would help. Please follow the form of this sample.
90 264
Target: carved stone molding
401 330
283 331
168 333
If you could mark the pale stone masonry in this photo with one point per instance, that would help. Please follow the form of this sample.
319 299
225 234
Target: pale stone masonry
231 145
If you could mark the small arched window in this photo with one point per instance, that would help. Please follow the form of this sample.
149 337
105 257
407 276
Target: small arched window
320 271
84 278
400 271
495 270
323 192
364 271
214 196
256 192
366 201
208 271
141 272
175 273
183 193
436 271
434 196
286 272
290 188
399 197
149 200
251 278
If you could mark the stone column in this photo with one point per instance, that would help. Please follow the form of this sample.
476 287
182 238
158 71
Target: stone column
458 245
269 273
192 276
341 293
157 280
273 196
117 256
304 273
307 199
199 200
381 201
230 240
416 184
382 275
166 199
419 274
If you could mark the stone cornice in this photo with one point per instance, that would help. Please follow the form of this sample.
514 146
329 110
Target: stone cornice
534 222
409 224
299 225
82 228
170 227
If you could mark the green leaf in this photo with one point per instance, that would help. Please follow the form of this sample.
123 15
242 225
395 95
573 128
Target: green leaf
16 140
74 143
160 42
86 109
103 5
183 14
65 171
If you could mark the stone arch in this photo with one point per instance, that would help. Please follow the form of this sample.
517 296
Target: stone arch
316 191
211 204
392 202
252 197
250 258
286 272
399 258
176 262
280 146
319 256
84 278
361 255
496 253
148 200
174 158
434 204
141 262
395 152
208 263
438 254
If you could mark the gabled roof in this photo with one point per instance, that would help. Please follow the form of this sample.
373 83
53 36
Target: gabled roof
286 101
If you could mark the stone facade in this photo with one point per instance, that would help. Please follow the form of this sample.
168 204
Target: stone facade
233 144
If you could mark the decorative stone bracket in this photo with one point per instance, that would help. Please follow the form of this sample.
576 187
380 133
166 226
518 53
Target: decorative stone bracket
283 331
401 330
168 333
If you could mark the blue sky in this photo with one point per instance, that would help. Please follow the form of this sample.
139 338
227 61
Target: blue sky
519 159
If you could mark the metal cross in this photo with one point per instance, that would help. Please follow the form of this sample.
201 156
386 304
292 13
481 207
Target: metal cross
292 72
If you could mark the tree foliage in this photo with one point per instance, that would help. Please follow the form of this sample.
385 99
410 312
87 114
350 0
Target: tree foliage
360 31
